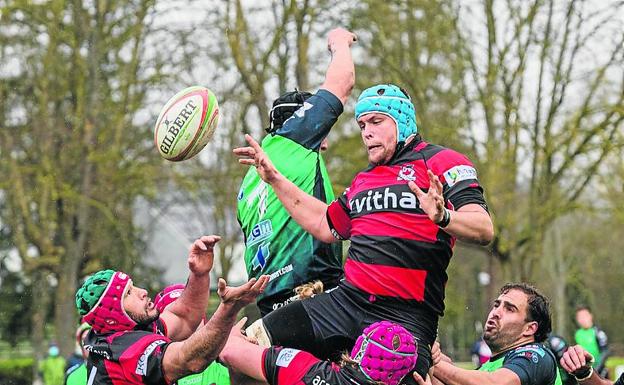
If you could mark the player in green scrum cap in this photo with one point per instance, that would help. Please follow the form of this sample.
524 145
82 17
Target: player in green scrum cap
132 342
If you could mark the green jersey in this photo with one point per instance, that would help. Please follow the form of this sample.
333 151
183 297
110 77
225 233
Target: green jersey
274 243
53 370
533 363
594 341
76 375
215 374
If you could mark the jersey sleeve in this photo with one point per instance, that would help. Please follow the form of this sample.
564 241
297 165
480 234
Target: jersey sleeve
338 217
533 365
310 124
285 366
140 356
459 179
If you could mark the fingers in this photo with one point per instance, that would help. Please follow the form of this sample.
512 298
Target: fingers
252 142
221 285
240 324
415 189
263 281
574 359
434 182
247 155
209 241
419 379
436 354
198 244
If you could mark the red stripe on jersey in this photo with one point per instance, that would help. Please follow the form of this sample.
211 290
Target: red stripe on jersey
294 372
399 225
390 175
115 372
387 281
340 220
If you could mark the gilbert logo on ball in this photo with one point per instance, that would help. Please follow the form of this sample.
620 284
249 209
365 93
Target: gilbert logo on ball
186 123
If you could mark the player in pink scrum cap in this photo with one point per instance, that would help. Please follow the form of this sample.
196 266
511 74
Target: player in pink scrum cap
384 353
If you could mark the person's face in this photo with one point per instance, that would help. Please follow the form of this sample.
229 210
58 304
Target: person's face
507 321
379 134
138 305
584 319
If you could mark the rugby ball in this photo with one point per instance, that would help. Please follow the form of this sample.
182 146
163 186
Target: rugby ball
186 123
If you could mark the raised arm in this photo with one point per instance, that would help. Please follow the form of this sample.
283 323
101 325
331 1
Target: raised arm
184 315
194 354
470 223
305 209
340 75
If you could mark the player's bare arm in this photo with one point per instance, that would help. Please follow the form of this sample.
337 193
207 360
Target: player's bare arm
470 223
305 209
195 353
183 316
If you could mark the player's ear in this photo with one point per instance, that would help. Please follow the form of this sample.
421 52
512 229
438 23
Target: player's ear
530 328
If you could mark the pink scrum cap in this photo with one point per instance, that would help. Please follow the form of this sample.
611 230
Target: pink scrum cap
386 352
100 302
167 296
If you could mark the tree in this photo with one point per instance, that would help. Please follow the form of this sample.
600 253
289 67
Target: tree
73 149
542 116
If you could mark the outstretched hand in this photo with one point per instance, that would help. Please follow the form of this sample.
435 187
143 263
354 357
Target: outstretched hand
431 202
201 255
241 296
253 155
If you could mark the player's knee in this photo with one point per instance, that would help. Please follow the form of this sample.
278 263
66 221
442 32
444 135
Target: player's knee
258 331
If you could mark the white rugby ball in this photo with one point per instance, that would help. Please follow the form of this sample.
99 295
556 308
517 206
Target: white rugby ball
186 123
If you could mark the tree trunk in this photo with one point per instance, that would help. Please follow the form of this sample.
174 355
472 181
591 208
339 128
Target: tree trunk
40 298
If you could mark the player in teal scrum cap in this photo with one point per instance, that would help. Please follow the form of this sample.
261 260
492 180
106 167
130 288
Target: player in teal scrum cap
402 215
390 100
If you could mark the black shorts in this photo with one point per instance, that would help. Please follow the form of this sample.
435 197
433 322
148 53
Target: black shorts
329 323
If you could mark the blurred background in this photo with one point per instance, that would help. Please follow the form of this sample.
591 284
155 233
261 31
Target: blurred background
532 90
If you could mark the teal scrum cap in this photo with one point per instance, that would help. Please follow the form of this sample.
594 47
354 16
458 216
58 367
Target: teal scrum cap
392 101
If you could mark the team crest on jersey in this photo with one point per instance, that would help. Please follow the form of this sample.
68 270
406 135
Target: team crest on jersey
262 255
260 232
407 173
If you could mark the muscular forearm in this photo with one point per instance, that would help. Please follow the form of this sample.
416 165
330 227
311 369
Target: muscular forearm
453 375
190 308
195 353
471 223
340 75
305 209
245 356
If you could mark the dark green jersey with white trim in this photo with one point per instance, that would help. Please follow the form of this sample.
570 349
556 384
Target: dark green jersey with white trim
274 243
533 363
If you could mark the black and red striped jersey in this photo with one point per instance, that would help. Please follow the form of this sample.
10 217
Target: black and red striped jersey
128 357
396 251
284 366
